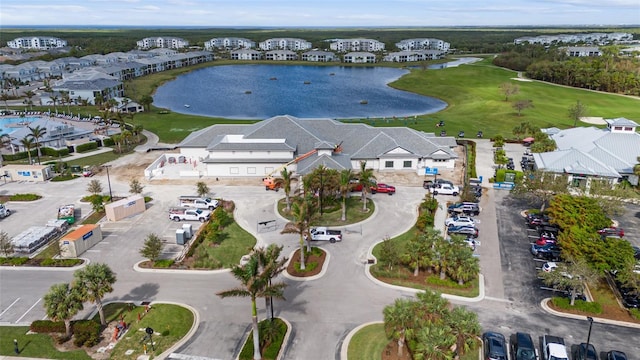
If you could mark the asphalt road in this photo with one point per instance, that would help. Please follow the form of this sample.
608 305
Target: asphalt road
321 311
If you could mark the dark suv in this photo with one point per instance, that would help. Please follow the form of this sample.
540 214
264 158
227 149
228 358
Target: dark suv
585 353
522 347
467 208
494 346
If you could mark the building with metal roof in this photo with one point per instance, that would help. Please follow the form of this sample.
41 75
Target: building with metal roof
585 153
301 145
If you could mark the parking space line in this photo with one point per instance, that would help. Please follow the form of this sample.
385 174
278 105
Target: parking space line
31 308
13 303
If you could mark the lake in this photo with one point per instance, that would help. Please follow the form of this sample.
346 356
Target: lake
263 91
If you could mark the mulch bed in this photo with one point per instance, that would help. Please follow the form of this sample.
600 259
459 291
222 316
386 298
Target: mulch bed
390 352
295 259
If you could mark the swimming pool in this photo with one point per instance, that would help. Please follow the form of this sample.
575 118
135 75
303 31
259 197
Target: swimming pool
7 122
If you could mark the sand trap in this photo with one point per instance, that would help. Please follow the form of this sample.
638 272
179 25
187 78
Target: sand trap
522 79
593 120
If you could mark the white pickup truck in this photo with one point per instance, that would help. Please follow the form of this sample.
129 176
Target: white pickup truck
445 189
553 348
198 202
182 214
324 234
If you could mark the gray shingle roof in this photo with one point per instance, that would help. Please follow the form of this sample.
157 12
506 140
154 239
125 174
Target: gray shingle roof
573 161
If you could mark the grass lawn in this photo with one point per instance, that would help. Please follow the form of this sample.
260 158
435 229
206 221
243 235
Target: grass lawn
368 343
271 351
402 276
476 102
34 345
169 322
332 214
236 243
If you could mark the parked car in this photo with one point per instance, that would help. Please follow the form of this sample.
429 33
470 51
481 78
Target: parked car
584 352
544 239
534 220
467 208
616 355
611 232
446 189
460 221
549 266
522 347
383 188
494 346
463 230
548 251
636 252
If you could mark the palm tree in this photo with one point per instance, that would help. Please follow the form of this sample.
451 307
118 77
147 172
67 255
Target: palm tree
272 265
301 212
29 94
399 321
366 178
37 133
433 342
5 97
27 143
285 182
346 176
137 130
464 326
65 99
255 283
54 100
95 281
62 303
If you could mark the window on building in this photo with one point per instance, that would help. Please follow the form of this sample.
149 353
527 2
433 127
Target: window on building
628 128
251 170
234 170
406 164
388 164
617 128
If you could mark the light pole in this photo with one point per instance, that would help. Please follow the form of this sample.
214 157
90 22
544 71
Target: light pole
590 319
109 182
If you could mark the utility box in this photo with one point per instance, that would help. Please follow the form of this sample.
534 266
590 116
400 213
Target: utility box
180 239
76 242
188 231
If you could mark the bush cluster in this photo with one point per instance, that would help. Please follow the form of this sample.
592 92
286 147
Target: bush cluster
427 212
502 173
13 261
92 145
47 326
585 306
24 197
211 231
86 333
108 142
60 262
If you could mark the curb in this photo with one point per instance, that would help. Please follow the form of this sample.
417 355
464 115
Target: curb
344 349
545 306
137 268
310 278
188 335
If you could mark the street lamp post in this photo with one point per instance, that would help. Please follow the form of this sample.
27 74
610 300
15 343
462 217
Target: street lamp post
590 319
109 182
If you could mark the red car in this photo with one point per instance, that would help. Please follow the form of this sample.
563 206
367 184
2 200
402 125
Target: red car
611 231
383 188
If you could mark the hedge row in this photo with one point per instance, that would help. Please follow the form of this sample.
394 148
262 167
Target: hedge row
501 174
86 147
85 332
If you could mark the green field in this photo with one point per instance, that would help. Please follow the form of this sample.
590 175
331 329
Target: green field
34 345
368 343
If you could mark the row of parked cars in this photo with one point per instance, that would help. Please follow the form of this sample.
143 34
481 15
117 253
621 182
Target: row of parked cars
521 347
461 221
446 187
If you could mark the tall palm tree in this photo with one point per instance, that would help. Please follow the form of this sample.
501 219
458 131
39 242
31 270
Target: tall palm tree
366 179
464 325
137 130
272 265
54 100
27 142
284 181
65 99
95 281
255 283
346 176
62 303
301 211
399 321
37 133
29 94
5 97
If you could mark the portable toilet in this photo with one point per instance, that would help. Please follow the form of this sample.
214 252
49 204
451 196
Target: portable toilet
188 231
180 238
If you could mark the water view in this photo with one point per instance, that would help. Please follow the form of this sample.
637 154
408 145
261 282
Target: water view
263 91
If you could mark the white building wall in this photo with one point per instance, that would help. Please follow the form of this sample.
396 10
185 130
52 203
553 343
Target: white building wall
243 154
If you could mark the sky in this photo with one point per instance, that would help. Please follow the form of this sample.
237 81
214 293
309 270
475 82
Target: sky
315 13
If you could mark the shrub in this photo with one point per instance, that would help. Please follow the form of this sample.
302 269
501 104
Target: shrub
635 313
64 177
308 266
47 326
53 152
86 147
163 264
86 333
60 262
501 174
108 142
435 280
24 197
222 217
581 305
19 156
147 199
13 261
